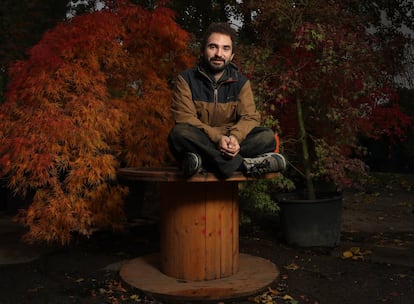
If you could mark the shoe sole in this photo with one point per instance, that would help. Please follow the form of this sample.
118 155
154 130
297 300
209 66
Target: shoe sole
282 158
197 167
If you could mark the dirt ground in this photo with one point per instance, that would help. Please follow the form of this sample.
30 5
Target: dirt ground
374 262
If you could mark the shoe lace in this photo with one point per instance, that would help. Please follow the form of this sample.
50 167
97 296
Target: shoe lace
259 169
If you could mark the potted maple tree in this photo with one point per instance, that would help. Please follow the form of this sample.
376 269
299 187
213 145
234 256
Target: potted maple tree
93 94
322 85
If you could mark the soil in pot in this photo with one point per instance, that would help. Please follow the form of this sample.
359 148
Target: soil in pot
311 223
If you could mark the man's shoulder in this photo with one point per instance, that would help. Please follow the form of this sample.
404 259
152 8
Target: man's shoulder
189 71
188 74
236 74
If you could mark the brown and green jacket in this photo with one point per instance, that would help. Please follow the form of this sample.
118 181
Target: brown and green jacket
225 107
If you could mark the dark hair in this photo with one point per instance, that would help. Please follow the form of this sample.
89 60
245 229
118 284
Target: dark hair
222 28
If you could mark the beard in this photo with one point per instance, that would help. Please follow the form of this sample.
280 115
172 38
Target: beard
214 68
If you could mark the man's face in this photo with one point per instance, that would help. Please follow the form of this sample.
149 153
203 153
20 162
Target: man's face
218 52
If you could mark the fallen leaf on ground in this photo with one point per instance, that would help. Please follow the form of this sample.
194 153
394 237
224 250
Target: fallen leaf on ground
116 286
355 253
289 299
36 289
292 266
347 254
273 291
134 297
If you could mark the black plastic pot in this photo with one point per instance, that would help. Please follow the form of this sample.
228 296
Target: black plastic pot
311 223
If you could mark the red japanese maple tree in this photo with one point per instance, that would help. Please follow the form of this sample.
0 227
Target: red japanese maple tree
322 80
94 93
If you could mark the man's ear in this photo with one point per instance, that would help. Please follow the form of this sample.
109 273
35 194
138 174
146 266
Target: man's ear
231 57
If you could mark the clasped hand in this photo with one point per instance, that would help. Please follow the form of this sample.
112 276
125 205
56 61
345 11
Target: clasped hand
229 146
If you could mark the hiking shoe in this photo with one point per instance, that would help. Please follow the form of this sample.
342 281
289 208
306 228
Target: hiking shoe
264 163
191 164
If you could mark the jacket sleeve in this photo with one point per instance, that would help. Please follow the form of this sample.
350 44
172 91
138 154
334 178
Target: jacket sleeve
249 117
184 110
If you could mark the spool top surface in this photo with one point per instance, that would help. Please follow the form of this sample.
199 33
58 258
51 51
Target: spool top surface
174 174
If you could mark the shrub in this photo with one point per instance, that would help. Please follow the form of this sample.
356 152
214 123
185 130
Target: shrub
94 94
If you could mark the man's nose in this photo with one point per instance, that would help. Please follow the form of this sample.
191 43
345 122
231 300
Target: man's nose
219 52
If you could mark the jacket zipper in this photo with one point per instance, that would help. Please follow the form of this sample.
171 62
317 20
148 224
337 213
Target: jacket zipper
215 88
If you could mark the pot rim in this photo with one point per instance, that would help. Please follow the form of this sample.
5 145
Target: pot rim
296 197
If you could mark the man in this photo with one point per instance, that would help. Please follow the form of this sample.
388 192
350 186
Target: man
217 125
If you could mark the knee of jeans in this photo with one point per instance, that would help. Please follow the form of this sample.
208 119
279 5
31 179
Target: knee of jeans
184 128
186 133
272 138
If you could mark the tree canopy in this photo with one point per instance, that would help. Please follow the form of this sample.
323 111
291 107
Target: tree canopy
94 93
322 80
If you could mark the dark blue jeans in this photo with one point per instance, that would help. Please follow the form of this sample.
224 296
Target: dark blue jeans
187 138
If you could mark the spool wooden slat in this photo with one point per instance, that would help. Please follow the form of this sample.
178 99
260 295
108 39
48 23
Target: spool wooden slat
198 240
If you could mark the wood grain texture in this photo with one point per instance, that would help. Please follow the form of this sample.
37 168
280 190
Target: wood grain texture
198 240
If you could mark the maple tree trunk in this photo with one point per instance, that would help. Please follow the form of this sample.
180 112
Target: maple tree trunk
305 152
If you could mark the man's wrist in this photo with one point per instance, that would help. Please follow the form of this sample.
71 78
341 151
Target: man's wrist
230 136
